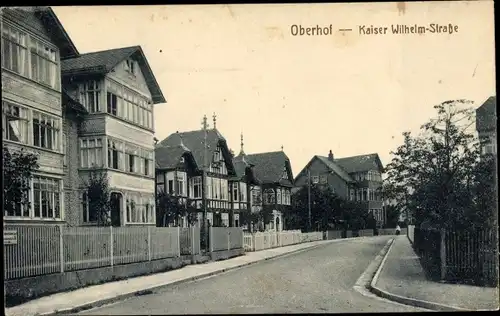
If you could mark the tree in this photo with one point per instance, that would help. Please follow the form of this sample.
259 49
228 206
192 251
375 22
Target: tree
18 168
392 215
169 208
431 174
326 208
98 196
355 216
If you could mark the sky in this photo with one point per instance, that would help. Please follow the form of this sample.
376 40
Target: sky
347 92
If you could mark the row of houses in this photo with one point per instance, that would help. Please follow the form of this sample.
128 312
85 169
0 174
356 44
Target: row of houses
95 111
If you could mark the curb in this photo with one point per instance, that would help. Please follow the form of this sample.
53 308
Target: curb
150 290
406 300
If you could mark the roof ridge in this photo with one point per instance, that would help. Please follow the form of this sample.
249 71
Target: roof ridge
370 154
107 50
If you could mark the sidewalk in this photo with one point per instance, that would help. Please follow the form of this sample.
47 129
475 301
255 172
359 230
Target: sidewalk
95 295
403 276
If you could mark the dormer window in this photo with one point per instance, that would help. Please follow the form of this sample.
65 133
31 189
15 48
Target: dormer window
130 66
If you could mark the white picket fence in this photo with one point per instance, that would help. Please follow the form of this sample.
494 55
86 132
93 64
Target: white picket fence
266 240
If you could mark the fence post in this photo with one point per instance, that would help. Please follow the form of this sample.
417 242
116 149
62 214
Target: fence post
111 244
193 251
443 254
178 241
61 248
149 243
210 238
228 240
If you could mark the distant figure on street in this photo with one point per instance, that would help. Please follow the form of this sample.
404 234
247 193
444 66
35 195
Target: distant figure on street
398 230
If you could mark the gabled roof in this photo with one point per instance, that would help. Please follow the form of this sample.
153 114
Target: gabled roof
360 163
168 157
194 141
486 115
335 168
102 62
269 167
241 167
35 17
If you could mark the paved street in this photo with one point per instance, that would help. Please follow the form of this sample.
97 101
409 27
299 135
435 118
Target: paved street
314 281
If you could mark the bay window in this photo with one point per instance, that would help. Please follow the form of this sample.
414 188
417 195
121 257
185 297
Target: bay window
45 131
15 122
14 50
44 67
140 209
91 152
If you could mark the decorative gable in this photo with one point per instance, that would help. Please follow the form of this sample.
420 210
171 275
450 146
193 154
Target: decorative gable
218 164
129 73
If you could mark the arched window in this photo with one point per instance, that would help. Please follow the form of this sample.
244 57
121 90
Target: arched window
278 196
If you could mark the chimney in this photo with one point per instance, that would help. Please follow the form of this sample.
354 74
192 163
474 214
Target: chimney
330 155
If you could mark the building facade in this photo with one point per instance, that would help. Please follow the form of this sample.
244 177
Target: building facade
271 192
486 126
80 113
33 44
208 182
119 91
357 178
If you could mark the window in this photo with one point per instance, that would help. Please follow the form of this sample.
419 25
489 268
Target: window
235 191
15 123
88 215
91 153
47 198
256 197
112 102
180 184
351 194
130 66
146 162
365 197
285 174
44 67
323 179
278 196
243 192
14 50
358 195
90 96
65 149
131 162
315 179
269 197
170 187
196 187
45 131
113 154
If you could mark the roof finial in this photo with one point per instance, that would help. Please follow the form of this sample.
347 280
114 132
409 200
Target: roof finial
214 117
204 123
180 140
281 147
242 152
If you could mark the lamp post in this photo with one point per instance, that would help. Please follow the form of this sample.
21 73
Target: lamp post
309 195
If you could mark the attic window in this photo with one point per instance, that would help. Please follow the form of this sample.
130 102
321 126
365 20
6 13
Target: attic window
182 159
130 66
285 174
